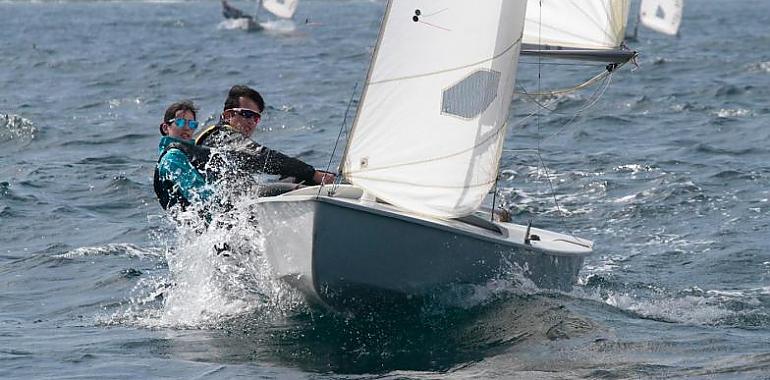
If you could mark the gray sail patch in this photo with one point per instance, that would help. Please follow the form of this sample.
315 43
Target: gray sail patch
472 95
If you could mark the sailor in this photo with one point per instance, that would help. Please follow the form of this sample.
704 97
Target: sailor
229 11
242 112
180 175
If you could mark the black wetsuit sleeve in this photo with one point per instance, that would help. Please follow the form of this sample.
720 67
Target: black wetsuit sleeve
260 159
254 158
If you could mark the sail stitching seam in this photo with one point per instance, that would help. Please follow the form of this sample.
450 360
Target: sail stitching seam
518 41
484 141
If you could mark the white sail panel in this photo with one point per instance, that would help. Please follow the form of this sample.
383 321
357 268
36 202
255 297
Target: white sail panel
663 16
576 24
281 8
431 123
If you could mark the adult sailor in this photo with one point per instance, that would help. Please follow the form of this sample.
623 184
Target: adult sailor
240 116
229 11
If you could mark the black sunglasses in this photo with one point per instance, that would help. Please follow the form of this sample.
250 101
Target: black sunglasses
247 113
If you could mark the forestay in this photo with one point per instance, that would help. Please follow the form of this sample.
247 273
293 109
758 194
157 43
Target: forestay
662 16
576 24
281 8
430 127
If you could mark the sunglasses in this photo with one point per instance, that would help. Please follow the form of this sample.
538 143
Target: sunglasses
247 113
180 123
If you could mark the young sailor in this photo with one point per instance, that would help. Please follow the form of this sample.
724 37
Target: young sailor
242 112
180 174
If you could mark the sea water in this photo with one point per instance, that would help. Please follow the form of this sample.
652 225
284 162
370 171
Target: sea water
665 166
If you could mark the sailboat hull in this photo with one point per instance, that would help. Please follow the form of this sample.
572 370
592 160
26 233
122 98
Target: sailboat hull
247 24
341 251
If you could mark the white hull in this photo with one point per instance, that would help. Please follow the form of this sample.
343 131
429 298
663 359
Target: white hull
341 250
247 24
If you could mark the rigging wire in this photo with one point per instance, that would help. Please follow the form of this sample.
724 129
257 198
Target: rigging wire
605 76
598 94
592 100
338 179
563 91
599 90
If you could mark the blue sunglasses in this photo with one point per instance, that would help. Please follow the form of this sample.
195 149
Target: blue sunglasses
180 123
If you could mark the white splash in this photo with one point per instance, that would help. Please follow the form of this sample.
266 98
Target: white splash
725 113
15 126
215 272
689 309
238 24
281 26
760 67
122 249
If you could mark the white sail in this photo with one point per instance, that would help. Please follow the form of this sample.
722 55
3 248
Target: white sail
576 24
281 8
662 16
429 129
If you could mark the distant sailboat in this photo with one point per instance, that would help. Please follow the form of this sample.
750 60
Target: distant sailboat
662 16
238 19
281 8
423 154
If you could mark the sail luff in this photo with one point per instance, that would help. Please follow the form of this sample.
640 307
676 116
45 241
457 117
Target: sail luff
383 22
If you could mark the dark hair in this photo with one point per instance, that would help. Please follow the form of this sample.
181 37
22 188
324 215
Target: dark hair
238 91
183 105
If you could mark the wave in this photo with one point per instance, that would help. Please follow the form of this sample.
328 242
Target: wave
113 249
740 308
759 67
733 113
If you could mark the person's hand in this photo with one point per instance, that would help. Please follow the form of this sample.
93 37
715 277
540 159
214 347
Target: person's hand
322 177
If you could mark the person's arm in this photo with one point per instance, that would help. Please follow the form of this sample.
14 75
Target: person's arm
175 167
249 156
324 177
256 158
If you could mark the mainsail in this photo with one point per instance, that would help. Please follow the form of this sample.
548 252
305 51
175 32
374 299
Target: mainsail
281 8
430 127
662 16
578 29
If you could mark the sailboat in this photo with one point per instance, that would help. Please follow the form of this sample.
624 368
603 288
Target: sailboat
237 19
422 155
662 16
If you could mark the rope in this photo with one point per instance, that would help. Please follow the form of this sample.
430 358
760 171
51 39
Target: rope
334 150
604 74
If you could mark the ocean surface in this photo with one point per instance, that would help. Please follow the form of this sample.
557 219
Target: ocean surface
665 166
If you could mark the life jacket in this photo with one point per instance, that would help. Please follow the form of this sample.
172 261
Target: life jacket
206 133
167 192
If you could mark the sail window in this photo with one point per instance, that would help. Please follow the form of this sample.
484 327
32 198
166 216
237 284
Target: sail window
472 95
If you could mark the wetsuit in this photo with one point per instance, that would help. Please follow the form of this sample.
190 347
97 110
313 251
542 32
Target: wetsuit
251 158
228 11
180 175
